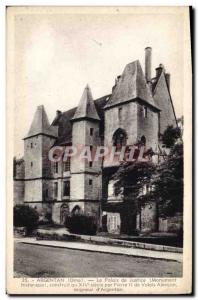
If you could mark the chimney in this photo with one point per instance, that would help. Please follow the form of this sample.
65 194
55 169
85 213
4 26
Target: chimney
58 112
167 75
117 79
159 70
148 52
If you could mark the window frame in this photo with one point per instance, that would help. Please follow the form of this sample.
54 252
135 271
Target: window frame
67 165
145 112
91 131
55 167
56 189
66 188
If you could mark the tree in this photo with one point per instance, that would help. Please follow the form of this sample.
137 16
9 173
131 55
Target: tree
131 178
168 182
81 224
170 136
25 216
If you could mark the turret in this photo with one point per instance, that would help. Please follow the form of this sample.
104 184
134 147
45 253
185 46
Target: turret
86 177
37 143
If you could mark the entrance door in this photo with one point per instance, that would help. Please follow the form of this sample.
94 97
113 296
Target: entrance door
64 211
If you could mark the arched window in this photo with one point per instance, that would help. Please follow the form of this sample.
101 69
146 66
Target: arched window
143 140
119 138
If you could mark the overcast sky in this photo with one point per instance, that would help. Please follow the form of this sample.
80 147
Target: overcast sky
56 55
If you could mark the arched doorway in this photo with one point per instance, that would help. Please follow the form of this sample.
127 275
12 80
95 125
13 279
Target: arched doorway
119 138
64 211
76 210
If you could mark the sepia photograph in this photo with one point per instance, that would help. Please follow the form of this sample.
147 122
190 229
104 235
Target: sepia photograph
99 143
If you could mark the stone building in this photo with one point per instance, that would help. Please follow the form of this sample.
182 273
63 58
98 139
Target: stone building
138 109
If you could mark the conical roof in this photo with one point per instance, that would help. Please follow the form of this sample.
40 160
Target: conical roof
131 85
86 108
40 123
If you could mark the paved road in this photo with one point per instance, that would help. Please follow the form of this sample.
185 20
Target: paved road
42 261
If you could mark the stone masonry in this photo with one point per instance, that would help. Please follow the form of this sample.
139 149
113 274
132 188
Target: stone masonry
139 109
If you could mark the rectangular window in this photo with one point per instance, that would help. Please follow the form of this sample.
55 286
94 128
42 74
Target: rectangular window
91 131
66 165
31 145
90 181
90 164
145 112
66 188
56 167
55 189
31 164
120 113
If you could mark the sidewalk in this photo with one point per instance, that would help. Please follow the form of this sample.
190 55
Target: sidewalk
104 249
63 235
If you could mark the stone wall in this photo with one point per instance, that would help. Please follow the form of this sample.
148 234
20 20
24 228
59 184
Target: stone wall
148 222
171 224
19 185
147 126
33 157
126 120
47 143
33 190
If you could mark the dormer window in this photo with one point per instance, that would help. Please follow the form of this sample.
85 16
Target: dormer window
145 112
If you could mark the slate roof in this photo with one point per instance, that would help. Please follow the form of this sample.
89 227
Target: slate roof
40 124
86 107
131 85
63 121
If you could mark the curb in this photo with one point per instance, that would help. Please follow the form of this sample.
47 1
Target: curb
45 235
104 251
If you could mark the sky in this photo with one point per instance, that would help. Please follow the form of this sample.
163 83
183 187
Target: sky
57 54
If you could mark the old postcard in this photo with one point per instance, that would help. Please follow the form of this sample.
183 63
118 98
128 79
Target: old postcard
99 143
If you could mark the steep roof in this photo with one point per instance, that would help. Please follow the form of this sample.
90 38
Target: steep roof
131 85
63 121
86 107
40 124
163 99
